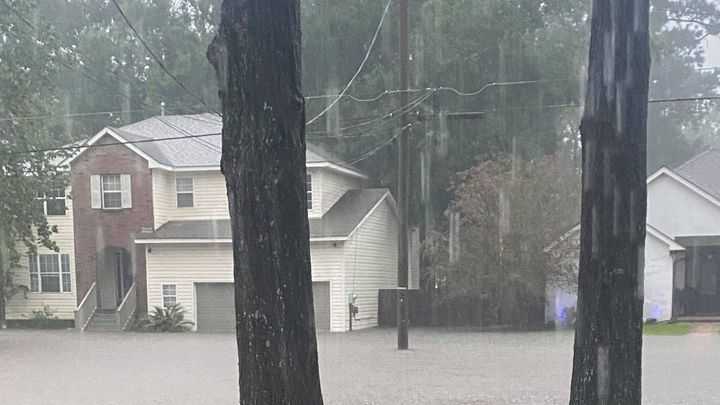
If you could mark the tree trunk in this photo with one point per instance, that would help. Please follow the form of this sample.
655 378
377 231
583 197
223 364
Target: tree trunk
256 55
608 334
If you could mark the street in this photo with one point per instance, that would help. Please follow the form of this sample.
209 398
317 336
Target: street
442 367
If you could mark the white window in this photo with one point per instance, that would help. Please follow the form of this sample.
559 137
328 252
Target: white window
308 190
184 191
110 191
169 295
50 273
52 203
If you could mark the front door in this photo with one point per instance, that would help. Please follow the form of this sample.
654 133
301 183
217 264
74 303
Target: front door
114 277
709 299
107 280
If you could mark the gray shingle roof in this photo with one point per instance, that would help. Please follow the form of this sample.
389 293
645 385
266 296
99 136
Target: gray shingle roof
193 152
704 171
338 222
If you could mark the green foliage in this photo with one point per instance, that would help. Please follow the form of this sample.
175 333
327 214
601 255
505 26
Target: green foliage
511 211
29 60
667 329
42 318
167 319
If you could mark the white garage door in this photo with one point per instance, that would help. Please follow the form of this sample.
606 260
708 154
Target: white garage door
321 301
216 307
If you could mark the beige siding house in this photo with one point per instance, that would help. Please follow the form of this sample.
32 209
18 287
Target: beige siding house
52 282
188 254
173 243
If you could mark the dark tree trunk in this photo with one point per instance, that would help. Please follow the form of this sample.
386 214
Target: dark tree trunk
608 334
256 55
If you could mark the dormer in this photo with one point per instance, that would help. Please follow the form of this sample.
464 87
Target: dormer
328 179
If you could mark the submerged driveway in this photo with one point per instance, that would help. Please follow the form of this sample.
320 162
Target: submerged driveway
72 368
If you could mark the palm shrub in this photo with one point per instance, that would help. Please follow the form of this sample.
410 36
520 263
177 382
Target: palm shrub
170 318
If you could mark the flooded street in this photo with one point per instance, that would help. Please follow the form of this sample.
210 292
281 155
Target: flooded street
442 367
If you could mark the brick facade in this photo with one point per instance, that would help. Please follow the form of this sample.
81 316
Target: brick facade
96 229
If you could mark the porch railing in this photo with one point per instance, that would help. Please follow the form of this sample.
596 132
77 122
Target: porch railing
126 310
86 309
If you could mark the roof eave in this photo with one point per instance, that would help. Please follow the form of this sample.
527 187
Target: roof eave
152 163
338 168
180 241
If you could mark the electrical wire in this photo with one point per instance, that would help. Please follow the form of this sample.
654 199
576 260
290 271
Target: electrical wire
683 99
374 150
72 115
158 60
367 100
390 115
200 141
82 146
359 69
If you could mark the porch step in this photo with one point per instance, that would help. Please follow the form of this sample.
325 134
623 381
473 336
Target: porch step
103 321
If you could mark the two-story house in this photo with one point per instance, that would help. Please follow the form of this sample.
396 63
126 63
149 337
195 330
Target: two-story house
149 226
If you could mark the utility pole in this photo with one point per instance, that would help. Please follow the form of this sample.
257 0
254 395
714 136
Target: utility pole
403 182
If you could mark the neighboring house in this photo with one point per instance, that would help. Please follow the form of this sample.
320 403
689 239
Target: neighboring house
49 275
148 225
682 244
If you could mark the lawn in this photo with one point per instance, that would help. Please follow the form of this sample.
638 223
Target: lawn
667 329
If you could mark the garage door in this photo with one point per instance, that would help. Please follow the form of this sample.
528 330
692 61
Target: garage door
321 299
215 307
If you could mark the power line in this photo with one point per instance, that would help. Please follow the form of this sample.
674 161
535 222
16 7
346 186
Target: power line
72 115
392 114
369 99
386 92
385 143
683 99
78 147
494 84
158 60
200 141
359 69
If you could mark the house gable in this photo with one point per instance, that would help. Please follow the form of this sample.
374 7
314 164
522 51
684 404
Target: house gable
678 207
109 136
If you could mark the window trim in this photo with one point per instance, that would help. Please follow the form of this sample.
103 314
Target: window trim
163 296
103 191
61 274
308 191
191 192
43 199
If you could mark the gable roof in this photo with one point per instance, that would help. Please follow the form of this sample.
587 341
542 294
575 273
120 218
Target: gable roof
672 245
337 224
193 142
664 171
702 170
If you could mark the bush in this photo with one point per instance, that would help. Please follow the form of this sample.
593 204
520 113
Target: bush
42 318
168 319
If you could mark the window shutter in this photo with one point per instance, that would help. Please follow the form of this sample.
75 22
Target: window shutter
126 189
95 194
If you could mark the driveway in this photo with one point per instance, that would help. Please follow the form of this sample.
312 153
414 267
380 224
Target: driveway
72 368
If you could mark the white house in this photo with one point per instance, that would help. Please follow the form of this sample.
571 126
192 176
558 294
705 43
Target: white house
682 244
